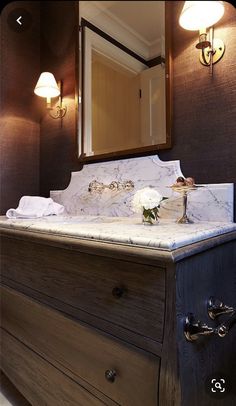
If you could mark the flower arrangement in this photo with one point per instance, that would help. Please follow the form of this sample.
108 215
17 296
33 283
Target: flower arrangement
147 201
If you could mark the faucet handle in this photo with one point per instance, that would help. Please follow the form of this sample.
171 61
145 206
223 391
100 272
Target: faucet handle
114 186
95 186
215 307
128 185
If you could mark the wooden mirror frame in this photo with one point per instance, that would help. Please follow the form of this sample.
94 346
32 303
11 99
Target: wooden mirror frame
141 151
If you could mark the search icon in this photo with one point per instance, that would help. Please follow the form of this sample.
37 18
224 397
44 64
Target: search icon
218 385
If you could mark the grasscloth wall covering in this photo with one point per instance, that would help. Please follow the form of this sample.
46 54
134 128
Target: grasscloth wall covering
204 125
19 122
58 138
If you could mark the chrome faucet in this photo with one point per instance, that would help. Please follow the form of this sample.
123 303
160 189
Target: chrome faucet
115 186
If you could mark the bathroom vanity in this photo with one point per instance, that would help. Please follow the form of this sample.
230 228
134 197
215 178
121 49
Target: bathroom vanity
93 310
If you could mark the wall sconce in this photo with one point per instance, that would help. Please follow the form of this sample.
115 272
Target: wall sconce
200 15
49 88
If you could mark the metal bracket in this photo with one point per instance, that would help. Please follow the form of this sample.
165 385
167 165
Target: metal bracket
217 51
215 308
194 328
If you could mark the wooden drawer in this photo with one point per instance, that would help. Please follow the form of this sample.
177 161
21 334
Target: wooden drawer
87 282
84 351
37 380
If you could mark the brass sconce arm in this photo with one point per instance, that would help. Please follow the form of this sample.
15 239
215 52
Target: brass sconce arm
48 87
60 109
212 51
198 16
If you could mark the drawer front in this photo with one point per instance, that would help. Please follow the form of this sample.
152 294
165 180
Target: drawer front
37 380
84 351
127 294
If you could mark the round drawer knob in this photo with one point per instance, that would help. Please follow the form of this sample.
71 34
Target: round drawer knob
117 292
110 375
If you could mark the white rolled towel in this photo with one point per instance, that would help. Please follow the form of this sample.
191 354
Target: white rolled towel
34 207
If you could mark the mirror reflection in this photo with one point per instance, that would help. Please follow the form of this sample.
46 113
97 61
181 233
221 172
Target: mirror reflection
123 77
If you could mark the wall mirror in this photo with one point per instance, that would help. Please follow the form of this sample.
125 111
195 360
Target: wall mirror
124 78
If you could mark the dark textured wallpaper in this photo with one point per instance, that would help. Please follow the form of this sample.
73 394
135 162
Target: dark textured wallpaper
58 150
204 106
19 122
204 124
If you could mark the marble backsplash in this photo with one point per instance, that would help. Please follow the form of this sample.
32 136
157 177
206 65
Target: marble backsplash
213 202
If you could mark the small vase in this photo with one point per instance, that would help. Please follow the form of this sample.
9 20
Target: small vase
150 216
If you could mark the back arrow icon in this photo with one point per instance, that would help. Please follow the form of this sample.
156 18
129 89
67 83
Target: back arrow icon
18 20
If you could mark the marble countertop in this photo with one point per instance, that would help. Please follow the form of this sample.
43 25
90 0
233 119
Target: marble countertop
167 235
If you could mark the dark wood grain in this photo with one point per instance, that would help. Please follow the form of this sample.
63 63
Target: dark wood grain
47 269
11 393
82 350
169 384
76 314
211 274
137 254
86 282
39 381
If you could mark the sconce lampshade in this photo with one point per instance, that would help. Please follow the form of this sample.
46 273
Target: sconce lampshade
47 86
200 14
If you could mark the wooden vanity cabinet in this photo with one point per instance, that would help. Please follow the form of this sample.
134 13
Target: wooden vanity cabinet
92 323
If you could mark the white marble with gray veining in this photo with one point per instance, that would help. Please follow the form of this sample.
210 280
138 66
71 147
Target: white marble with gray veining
167 235
213 202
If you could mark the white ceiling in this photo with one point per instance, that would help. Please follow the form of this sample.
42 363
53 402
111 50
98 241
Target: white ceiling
146 18
140 25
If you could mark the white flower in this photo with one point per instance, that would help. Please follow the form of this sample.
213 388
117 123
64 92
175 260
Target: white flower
147 198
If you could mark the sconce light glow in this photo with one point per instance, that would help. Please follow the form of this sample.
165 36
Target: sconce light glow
47 86
200 14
